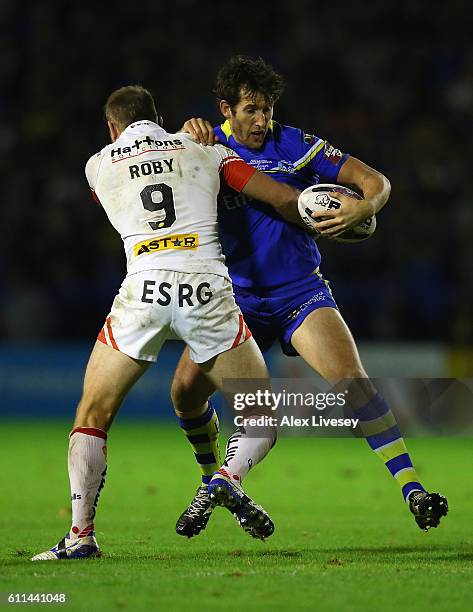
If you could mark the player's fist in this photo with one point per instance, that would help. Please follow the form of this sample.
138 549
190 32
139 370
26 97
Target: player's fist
201 130
351 213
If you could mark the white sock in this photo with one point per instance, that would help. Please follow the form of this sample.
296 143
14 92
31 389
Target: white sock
244 450
87 462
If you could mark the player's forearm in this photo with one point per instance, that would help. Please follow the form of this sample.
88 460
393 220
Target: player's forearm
376 189
282 197
374 186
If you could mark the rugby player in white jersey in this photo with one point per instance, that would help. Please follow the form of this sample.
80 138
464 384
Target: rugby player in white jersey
159 191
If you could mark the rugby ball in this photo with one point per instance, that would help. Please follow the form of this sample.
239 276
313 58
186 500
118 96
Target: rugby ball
317 199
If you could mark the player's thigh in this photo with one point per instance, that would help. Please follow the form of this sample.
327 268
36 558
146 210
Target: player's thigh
244 362
325 342
242 371
190 387
109 376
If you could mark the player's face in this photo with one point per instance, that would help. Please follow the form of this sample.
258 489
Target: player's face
250 119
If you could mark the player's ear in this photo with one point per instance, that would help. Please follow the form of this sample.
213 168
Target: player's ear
113 131
225 109
160 121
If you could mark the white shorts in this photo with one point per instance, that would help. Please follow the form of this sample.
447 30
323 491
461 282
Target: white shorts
158 305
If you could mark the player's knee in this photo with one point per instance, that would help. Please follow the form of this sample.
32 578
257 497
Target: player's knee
360 387
354 371
270 433
96 412
184 395
346 371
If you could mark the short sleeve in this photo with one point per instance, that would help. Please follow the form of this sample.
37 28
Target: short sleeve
319 157
235 172
91 173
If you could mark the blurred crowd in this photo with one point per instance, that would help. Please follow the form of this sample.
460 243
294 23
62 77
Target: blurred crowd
390 82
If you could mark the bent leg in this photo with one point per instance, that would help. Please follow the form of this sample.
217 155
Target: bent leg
324 341
250 443
197 417
245 361
190 389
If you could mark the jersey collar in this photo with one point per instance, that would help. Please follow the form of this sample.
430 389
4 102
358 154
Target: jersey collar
139 127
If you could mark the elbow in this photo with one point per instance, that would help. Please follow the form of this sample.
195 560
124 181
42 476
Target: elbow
381 186
386 187
281 198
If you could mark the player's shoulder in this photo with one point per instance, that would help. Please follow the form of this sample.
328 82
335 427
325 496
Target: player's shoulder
221 154
221 133
223 148
284 131
93 164
290 134
218 150
96 158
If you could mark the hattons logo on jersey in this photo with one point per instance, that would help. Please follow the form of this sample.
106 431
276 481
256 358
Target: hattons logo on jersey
145 145
332 154
165 243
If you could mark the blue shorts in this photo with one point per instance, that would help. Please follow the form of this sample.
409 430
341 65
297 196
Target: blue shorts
276 313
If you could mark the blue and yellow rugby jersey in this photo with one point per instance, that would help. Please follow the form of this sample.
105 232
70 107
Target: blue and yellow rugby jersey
261 249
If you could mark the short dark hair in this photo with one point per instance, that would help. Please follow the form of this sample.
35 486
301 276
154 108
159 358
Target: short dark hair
252 75
128 104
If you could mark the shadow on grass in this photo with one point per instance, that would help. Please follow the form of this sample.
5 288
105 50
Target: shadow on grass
365 554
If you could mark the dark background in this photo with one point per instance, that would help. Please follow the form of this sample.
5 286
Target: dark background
390 82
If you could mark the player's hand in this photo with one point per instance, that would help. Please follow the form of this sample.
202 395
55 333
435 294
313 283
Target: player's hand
201 131
351 213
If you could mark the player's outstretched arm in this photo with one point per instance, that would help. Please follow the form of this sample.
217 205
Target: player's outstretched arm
242 177
375 188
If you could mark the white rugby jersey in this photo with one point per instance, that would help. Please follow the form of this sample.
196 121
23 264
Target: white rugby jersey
159 191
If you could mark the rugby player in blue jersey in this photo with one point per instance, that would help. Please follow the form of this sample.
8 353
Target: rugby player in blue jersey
278 285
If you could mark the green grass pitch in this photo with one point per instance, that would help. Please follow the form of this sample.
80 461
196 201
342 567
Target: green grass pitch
344 539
